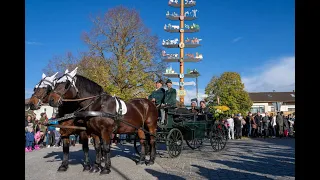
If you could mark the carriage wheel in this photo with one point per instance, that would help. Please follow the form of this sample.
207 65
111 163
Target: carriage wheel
218 137
174 142
194 143
137 146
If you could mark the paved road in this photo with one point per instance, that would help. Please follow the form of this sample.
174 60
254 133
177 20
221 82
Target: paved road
241 159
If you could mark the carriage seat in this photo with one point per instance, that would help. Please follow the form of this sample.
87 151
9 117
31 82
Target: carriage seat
181 114
205 117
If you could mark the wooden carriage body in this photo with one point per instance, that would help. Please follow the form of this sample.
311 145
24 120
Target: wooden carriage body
182 125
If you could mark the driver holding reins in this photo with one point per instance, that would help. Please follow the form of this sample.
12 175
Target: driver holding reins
157 96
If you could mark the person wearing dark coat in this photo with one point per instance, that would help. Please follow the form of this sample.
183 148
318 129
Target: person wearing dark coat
258 121
157 96
247 127
203 108
265 125
285 126
170 95
279 121
237 126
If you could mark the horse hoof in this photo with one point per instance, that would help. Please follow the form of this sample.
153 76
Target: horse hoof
94 169
140 162
105 171
86 168
150 163
62 168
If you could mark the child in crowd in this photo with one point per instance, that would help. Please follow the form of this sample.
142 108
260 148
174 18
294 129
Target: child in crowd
29 139
37 138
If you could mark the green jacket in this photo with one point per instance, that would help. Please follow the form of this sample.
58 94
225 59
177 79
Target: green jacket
158 95
171 97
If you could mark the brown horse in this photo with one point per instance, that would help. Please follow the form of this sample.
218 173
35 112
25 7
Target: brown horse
103 117
40 96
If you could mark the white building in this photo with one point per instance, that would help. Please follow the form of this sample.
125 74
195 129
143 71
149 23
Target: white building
265 101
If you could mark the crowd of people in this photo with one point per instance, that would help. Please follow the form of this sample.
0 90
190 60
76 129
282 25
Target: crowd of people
38 135
258 125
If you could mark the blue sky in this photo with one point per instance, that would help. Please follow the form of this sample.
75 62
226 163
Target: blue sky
255 38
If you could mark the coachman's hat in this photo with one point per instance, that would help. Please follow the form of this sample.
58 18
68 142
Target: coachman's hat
159 81
169 81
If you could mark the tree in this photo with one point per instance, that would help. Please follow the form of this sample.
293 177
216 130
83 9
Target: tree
60 63
230 90
133 62
123 55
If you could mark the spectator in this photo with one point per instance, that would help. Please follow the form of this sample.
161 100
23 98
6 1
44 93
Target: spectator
243 123
279 121
254 126
258 121
247 127
291 129
285 126
57 137
43 132
51 131
273 125
237 125
265 125
44 118
72 140
29 138
230 128
37 138
123 138
37 135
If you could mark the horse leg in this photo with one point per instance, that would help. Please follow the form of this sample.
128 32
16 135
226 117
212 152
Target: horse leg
142 137
152 131
85 148
97 146
65 161
106 141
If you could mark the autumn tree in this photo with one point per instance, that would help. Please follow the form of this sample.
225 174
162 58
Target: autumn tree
127 49
229 91
59 63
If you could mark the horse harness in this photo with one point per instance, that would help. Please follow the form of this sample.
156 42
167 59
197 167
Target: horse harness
118 117
44 93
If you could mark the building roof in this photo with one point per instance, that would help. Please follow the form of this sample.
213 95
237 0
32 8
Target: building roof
272 96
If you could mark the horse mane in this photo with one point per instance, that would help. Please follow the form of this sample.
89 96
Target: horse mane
89 85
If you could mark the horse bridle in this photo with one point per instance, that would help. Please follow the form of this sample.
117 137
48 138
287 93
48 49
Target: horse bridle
43 94
72 83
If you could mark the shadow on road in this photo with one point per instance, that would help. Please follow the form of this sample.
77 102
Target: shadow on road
215 173
265 158
163 176
76 157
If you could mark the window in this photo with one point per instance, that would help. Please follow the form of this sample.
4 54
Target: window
256 109
272 109
291 109
269 95
292 95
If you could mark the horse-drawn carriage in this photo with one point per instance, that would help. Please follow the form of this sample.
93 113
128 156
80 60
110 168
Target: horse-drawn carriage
182 125
86 109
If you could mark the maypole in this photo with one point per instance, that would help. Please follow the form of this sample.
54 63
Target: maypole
184 43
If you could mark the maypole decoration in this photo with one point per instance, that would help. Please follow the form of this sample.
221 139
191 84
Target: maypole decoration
183 43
